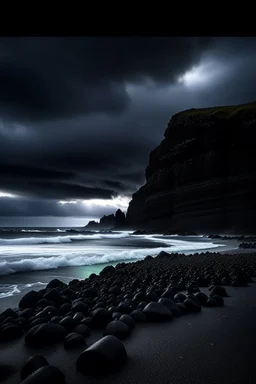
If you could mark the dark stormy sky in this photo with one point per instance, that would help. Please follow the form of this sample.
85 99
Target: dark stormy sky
79 116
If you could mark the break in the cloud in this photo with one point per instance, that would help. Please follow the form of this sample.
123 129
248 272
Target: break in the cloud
79 116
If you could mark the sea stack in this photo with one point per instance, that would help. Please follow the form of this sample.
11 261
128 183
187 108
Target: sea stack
113 221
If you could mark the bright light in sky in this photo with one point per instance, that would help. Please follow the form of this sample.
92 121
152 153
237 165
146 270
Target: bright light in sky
3 194
121 202
203 74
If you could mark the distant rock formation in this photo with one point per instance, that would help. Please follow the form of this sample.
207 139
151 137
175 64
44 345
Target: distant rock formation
92 225
120 219
202 177
114 221
107 221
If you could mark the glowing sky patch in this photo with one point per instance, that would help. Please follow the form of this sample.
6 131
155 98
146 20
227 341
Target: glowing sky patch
4 194
120 202
201 75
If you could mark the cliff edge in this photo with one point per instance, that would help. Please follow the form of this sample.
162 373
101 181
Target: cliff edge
202 176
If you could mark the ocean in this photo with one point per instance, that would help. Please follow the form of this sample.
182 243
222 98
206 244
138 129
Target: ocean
31 257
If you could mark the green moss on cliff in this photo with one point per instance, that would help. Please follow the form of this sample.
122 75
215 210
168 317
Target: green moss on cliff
233 112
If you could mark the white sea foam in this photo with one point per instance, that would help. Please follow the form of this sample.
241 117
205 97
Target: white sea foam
7 290
39 230
59 239
82 256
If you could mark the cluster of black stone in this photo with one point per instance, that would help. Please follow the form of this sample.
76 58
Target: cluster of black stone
239 238
114 301
166 232
247 245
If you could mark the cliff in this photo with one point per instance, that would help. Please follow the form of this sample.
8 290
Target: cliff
202 176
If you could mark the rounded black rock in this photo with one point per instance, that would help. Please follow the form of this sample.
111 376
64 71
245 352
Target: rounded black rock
68 323
37 321
80 307
138 316
218 300
171 305
21 322
27 313
115 289
128 320
179 297
64 309
113 309
54 295
116 315
123 308
78 317
29 300
139 296
117 328
108 270
87 321
10 332
105 356
218 290
201 297
142 304
9 312
192 297
73 340
100 318
168 293
192 306
49 311
56 283
83 330
32 364
56 319
45 375
45 334
157 312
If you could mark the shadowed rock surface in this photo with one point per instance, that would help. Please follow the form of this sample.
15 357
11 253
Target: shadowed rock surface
106 355
114 221
45 375
202 175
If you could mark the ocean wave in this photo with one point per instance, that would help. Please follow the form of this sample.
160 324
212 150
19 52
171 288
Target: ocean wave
59 239
80 258
7 290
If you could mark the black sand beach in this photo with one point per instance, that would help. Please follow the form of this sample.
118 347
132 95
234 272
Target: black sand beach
214 344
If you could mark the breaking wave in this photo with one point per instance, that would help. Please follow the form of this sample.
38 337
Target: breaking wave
59 239
7 290
81 258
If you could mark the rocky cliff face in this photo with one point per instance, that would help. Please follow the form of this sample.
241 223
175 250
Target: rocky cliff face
202 176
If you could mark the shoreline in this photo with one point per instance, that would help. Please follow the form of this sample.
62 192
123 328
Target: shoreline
67 274
193 347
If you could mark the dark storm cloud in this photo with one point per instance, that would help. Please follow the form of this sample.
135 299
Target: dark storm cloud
47 183
45 78
29 207
79 116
